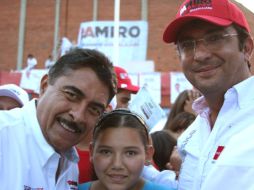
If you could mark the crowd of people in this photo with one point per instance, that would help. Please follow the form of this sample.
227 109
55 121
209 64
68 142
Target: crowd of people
79 133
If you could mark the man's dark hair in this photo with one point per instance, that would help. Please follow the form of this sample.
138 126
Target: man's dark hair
242 36
79 58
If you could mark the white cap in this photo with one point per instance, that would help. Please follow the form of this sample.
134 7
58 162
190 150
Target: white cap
15 92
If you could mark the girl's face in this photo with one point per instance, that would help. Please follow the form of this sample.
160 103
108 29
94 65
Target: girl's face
119 156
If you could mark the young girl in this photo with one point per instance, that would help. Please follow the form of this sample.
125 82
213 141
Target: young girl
119 150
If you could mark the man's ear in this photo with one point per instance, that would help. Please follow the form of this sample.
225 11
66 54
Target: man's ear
91 149
248 49
44 84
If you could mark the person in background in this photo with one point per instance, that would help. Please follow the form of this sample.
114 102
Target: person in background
37 141
158 169
119 161
182 103
180 123
49 62
163 143
31 62
215 46
12 96
179 119
124 88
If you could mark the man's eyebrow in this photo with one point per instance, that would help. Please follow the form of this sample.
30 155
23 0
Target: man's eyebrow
215 30
81 94
74 89
208 31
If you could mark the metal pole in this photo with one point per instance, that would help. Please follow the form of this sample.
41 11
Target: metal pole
116 32
66 18
56 33
144 8
22 20
95 10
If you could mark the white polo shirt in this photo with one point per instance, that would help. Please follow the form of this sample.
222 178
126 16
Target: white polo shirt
222 158
27 161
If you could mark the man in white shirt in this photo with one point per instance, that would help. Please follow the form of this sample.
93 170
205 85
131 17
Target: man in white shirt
31 62
214 44
49 62
37 141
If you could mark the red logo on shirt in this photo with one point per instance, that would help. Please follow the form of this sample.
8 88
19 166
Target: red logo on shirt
73 184
218 152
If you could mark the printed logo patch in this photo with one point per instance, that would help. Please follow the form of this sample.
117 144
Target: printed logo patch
218 152
194 5
73 185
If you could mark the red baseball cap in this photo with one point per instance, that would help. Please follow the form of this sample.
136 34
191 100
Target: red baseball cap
124 81
218 12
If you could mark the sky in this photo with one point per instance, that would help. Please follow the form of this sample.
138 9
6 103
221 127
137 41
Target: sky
249 4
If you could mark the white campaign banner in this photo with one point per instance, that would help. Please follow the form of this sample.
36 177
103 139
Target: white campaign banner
153 84
31 79
178 84
100 35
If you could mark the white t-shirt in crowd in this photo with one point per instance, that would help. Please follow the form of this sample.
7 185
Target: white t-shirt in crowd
31 63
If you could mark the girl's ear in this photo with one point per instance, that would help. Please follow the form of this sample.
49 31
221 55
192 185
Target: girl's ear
91 149
149 154
149 150
44 84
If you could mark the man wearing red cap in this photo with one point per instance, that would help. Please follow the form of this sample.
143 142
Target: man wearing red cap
124 88
214 44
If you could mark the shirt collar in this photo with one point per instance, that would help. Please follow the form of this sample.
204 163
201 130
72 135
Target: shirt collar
241 93
245 92
200 106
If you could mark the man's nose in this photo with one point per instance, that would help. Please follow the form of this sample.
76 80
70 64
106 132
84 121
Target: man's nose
200 50
78 113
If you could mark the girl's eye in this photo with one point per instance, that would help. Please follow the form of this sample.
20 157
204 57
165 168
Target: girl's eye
131 153
105 152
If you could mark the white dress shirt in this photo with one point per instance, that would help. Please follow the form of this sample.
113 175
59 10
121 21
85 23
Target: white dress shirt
27 161
221 158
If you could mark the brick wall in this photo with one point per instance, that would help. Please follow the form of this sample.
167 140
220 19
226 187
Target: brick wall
39 33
